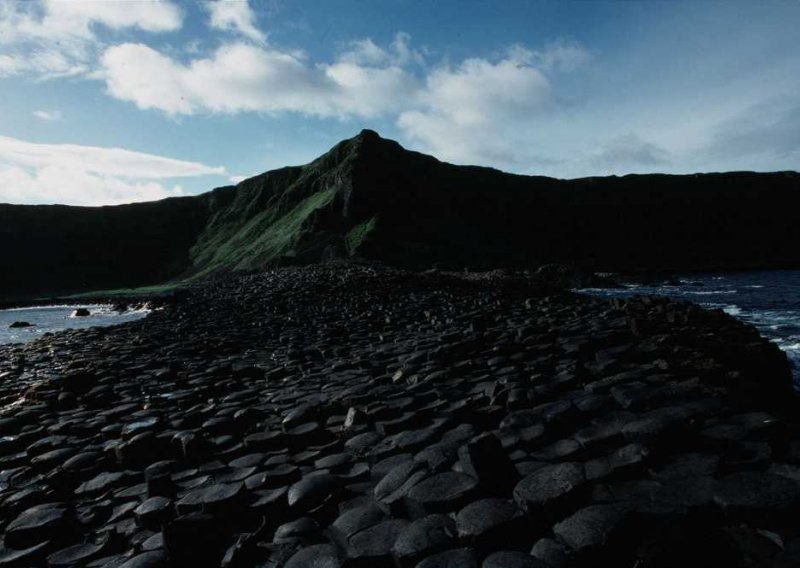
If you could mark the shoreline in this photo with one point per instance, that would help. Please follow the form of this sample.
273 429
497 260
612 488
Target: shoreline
274 409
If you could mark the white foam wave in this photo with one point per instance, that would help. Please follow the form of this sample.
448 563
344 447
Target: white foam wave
732 310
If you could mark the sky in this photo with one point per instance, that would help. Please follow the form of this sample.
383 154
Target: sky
116 101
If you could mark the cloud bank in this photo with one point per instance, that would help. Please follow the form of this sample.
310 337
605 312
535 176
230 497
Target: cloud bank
88 175
525 108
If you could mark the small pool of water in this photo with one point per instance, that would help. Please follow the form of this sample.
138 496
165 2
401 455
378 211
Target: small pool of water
56 318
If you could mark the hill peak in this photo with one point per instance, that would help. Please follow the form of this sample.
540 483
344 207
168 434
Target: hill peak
368 135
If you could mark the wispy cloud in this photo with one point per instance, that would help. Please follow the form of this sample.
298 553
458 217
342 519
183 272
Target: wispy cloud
32 172
771 127
235 16
56 38
48 115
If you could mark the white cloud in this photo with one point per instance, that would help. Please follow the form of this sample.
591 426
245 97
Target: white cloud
88 175
54 20
244 78
236 16
480 111
45 62
56 38
367 52
477 111
53 184
48 115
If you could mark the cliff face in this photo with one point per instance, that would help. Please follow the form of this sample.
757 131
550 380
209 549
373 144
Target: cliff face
47 249
368 197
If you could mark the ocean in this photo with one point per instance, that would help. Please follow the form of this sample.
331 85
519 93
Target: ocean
57 318
769 300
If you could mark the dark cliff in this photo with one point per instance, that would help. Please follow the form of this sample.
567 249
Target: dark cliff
370 198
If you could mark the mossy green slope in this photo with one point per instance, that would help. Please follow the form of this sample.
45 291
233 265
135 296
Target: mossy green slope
291 215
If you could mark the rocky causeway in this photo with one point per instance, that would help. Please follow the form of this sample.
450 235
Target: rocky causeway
361 416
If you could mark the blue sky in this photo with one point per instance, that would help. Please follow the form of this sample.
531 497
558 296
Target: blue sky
112 101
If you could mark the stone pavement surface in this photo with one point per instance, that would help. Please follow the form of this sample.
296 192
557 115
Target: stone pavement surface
362 416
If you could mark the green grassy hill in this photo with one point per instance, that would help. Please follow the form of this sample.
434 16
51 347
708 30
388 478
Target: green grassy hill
370 198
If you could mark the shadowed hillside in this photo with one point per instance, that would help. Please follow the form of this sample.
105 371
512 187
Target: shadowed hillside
370 198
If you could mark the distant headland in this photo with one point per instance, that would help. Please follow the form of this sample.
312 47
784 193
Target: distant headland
369 198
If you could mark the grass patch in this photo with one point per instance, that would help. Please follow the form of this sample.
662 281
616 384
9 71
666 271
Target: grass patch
125 292
355 236
266 237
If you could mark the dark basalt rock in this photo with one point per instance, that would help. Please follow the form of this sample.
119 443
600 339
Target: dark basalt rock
37 524
548 485
76 554
20 324
511 559
312 491
355 520
396 478
153 559
590 527
423 537
757 493
486 519
373 545
442 492
17 558
316 556
182 546
492 419
153 512
456 558
485 459
304 529
551 553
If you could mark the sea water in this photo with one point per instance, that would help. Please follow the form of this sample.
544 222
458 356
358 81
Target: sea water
769 300
57 318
